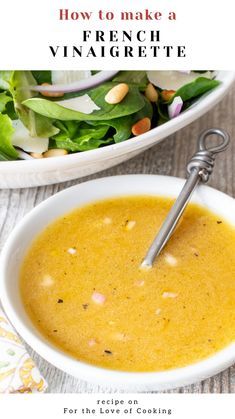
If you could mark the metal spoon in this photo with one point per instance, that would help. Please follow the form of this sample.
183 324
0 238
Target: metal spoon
199 169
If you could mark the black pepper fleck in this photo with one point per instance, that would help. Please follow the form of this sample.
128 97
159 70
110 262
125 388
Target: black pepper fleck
85 306
55 330
106 351
59 301
219 222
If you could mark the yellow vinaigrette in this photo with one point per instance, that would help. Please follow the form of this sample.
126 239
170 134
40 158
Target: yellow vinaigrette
84 291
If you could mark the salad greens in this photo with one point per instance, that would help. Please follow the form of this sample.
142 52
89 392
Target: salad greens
4 99
74 129
82 138
196 88
37 125
7 151
132 103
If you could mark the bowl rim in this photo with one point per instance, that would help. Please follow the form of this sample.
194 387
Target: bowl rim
209 100
167 379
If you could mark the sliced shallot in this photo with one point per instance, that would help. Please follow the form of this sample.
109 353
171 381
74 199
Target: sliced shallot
98 298
175 107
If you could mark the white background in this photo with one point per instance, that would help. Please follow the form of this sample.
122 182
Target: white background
187 406
205 27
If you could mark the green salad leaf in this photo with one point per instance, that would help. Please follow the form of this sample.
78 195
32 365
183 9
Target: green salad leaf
4 99
84 138
136 78
38 125
188 93
196 88
7 151
10 110
132 103
42 76
123 125
5 79
124 132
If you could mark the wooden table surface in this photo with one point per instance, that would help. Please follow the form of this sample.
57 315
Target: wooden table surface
167 158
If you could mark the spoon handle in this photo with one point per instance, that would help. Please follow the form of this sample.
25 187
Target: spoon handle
199 168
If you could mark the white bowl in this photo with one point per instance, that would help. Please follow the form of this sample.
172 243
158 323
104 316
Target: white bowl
21 174
21 238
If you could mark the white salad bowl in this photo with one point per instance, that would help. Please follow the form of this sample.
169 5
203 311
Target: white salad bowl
28 173
33 223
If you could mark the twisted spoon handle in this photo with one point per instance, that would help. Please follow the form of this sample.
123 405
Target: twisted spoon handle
199 168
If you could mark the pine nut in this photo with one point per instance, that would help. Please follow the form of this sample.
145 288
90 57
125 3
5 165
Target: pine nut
55 152
167 95
142 126
51 94
117 94
36 155
151 93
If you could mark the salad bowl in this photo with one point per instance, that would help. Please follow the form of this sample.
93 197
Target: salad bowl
44 171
